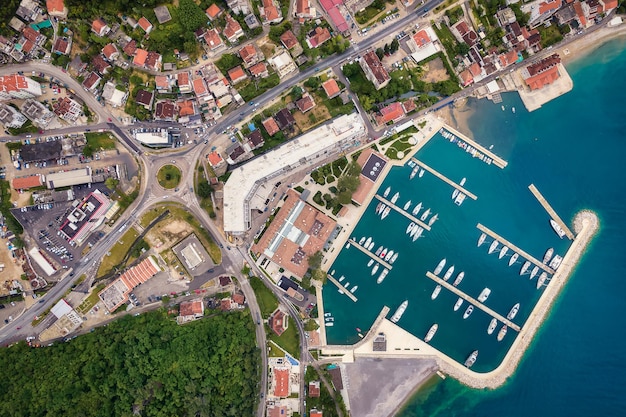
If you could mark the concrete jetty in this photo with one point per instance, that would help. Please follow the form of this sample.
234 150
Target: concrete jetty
542 200
511 246
345 290
404 213
472 300
497 161
445 179
370 254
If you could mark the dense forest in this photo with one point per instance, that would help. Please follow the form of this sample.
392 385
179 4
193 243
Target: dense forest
145 365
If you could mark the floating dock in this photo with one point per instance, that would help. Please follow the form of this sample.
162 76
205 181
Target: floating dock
404 213
511 246
497 161
475 302
542 200
342 288
445 179
370 254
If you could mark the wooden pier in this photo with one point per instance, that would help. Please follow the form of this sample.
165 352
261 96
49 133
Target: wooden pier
542 200
473 301
342 288
497 161
446 179
522 253
370 254
404 213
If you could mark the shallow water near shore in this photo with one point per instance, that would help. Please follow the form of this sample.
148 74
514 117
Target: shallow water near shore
573 150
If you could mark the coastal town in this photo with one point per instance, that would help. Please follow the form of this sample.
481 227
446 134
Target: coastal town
220 160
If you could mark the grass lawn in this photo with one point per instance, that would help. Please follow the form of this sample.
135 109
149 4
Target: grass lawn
265 297
100 140
274 352
289 340
169 176
399 145
149 216
91 300
117 252
313 117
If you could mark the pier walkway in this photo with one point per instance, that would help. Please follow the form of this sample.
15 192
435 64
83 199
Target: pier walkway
522 253
475 302
542 200
370 254
445 179
404 213
497 161
342 288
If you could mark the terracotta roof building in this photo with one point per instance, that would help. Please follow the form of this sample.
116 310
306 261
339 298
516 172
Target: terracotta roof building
306 103
255 139
270 125
199 87
190 310
289 40
185 108
419 40
542 73
110 52
281 383
236 74
278 322
391 113
153 61
145 24
92 81
213 40
259 70
284 118
314 389
303 9
317 37
99 27
67 109
61 46
315 413
213 11
165 110
24 183
183 82
374 70
215 159
144 98
331 7
232 30
331 88
56 8
130 48
116 293
140 57
277 411
162 82
250 55
270 13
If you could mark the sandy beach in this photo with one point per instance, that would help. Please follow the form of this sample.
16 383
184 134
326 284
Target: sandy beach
587 44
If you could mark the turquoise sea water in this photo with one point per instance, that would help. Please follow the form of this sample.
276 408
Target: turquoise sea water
572 150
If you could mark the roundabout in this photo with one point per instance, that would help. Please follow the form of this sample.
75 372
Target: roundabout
169 176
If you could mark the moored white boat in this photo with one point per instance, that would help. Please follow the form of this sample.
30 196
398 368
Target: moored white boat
378 207
330 323
367 242
370 246
484 294
410 227
458 304
383 253
493 247
440 266
513 258
436 292
418 232
471 359
502 332
348 245
354 289
431 332
503 251
548 255
462 183
534 272
455 193
385 212
375 268
492 326
388 256
395 198
542 279
400 311
414 172
328 314
421 174
370 263
341 278
387 191
513 312
393 258
448 273
407 205
417 209
556 262
459 199
433 219
459 278
425 215
382 276
378 251
557 229
362 240
468 311
524 268
481 239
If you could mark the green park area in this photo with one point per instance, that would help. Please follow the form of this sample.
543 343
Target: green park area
169 176
266 299
116 254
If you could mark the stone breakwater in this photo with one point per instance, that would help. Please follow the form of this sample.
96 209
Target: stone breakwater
586 224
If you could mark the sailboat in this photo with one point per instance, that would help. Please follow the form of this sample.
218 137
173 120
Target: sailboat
455 193
414 172
421 174
503 251
375 268
481 239
436 292
417 209
370 263
431 332
524 268
407 205
542 279
513 258
492 326
410 228
458 304
387 191
418 232
433 219
493 247
448 273
534 272
395 198
440 266
425 215
458 279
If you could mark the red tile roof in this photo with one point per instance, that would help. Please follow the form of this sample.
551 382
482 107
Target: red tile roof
183 78
215 158
258 69
109 50
540 80
185 108
161 82
55 6
281 376
580 13
165 110
392 112
270 126
213 11
609 5
140 57
549 5
475 69
276 322
466 77
277 411
421 38
24 183
303 7
314 389
318 36
306 103
153 61
376 67
199 87
289 39
248 53
225 304
239 298
236 74
315 414
331 88
409 105
60 46
130 48
30 34
191 308
212 38
98 25
145 24
232 29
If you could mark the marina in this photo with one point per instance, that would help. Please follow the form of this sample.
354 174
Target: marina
519 251
345 291
497 161
473 301
542 200
404 213
446 179
378 259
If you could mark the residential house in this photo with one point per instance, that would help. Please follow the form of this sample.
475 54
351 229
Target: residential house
190 310
609 5
213 11
130 48
163 83
114 96
255 139
305 103
419 40
67 109
582 11
374 70
145 98
37 112
18 87
464 33
270 125
165 110
466 77
213 40
33 36
315 413
99 27
475 72
304 10
277 411
56 8
285 119
28 10
505 16
11 118
215 160
236 74
542 73
314 389
62 46
270 13
145 24
289 41
154 60
239 6
232 30
283 64
259 70
183 81
32 181
110 52
199 87
566 14
100 64
336 10
541 12
508 58
331 88
234 152
140 57
391 113
250 55
162 14
92 81
186 108
278 321
317 37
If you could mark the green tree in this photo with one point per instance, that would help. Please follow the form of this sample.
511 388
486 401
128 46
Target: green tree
315 260
88 151
111 183
380 53
190 15
204 189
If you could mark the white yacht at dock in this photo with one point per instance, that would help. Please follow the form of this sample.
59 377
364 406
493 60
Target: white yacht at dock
481 239
417 209
425 215
440 266
400 311
459 278
449 273
431 332
493 247
387 191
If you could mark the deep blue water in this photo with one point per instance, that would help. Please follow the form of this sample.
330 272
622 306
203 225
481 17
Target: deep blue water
573 150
